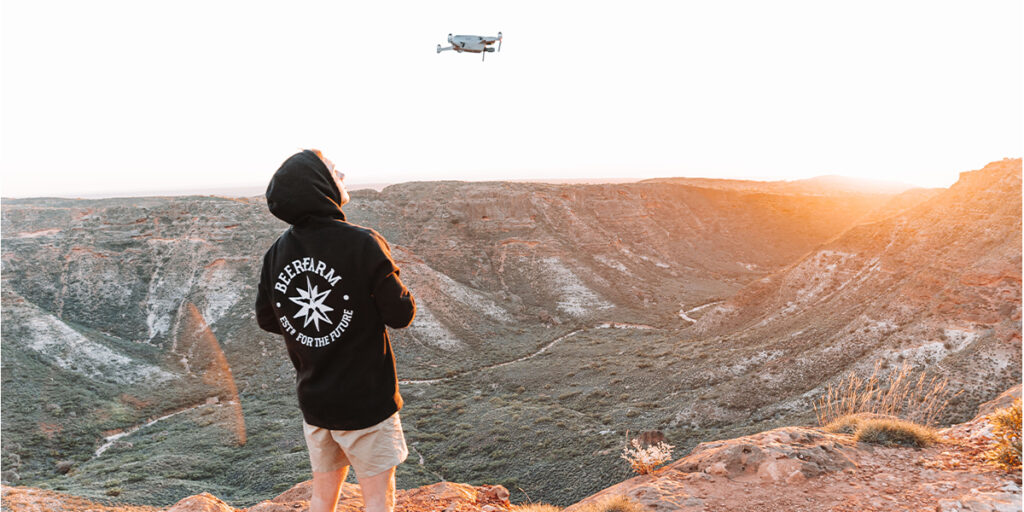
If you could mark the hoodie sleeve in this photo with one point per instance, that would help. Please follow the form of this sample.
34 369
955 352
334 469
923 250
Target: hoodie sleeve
394 302
265 316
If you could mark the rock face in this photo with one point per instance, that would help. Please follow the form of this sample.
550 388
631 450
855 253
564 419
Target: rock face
807 469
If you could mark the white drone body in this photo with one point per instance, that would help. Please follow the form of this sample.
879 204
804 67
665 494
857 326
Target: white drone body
472 44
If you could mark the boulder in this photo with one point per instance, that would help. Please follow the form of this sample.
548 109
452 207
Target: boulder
786 454
204 502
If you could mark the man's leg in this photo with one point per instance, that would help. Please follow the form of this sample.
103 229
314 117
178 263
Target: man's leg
379 491
326 488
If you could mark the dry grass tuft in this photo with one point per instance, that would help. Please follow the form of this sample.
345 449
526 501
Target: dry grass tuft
899 394
1005 452
616 504
894 432
535 507
851 422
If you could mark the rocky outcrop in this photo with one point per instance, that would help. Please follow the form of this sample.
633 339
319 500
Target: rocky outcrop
790 454
28 499
442 496
448 496
808 469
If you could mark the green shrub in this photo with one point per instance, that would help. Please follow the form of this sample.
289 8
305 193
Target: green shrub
894 432
1005 451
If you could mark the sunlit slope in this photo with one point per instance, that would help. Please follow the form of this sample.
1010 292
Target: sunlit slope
938 286
618 252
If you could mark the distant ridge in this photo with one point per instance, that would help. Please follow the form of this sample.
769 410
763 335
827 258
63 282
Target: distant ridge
819 185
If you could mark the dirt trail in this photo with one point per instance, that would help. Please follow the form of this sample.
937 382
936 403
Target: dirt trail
491 366
606 325
685 313
114 437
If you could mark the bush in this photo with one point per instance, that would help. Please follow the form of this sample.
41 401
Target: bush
645 459
894 432
1005 451
616 504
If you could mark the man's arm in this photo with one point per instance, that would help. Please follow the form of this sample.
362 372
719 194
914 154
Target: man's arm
265 316
394 302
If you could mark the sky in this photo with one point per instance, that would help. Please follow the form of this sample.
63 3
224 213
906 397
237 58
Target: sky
110 97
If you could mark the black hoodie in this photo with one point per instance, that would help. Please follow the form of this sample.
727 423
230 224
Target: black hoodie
329 287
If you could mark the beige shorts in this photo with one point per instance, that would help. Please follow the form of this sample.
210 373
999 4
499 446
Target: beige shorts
370 451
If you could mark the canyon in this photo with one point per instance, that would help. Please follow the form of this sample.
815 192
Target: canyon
553 321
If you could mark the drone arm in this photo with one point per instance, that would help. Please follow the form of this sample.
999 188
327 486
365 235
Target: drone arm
439 49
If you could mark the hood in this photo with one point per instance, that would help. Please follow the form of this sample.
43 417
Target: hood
302 188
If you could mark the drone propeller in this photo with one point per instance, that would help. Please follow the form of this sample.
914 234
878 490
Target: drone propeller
499 41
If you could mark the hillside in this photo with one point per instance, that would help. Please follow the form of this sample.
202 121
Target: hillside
938 285
553 319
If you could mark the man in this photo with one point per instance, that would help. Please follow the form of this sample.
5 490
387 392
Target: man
330 287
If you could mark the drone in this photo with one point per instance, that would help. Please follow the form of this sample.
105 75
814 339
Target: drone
472 44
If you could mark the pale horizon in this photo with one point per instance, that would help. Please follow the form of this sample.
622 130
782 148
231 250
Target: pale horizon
251 190
116 97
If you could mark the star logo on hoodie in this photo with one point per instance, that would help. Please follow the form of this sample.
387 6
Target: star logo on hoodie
313 308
